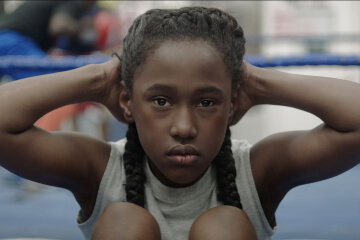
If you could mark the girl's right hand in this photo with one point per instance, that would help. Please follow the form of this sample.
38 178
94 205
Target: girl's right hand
113 87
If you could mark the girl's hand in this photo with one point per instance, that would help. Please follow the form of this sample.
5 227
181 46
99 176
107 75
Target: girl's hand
112 77
245 92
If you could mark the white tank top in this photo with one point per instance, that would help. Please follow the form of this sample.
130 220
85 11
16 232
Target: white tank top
175 209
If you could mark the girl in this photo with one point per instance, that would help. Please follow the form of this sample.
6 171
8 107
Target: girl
180 83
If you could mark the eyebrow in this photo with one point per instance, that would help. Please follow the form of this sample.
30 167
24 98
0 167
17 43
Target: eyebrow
209 89
199 91
159 87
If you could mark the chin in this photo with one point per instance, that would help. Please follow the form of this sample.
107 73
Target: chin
182 182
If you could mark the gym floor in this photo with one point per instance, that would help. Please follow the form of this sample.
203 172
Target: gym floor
325 210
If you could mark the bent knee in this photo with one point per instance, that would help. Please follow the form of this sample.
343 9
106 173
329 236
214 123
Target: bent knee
123 220
121 210
222 222
223 214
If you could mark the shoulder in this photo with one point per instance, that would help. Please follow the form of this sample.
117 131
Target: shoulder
241 153
240 148
117 151
118 146
240 145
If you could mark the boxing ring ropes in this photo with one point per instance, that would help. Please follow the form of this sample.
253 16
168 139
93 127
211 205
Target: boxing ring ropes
17 67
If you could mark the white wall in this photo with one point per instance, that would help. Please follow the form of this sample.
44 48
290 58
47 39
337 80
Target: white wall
310 18
300 19
264 120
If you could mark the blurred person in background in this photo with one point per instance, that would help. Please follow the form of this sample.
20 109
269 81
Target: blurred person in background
43 28
36 27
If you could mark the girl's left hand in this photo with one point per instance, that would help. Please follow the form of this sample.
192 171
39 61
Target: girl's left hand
245 92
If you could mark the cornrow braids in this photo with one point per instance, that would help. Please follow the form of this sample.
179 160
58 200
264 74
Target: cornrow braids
226 173
211 25
133 164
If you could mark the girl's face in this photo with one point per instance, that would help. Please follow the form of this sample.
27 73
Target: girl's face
181 103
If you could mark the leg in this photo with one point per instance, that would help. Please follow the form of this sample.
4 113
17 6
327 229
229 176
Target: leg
223 222
126 221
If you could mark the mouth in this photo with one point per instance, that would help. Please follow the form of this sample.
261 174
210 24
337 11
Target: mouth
183 154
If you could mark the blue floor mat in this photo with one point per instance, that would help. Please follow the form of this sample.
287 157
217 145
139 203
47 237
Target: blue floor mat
34 210
329 209
325 210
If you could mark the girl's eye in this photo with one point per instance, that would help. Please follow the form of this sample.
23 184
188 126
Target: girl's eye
206 103
161 102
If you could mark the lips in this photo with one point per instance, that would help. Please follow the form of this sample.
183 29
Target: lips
183 154
183 150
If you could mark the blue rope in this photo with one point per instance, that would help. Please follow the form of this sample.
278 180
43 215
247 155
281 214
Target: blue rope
314 59
26 66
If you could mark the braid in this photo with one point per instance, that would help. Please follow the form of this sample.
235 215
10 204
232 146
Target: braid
226 174
133 164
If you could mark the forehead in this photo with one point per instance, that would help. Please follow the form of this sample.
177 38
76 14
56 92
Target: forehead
183 63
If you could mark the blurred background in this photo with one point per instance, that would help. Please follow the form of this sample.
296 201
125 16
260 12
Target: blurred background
307 37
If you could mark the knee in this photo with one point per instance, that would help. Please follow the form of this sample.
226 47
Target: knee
124 220
223 222
124 211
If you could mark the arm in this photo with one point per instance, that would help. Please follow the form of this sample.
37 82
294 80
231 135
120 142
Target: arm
60 159
286 160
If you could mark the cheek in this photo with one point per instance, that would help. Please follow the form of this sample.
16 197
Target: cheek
151 140
212 133
148 125
151 131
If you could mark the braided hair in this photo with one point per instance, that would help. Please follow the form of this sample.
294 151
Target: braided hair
213 26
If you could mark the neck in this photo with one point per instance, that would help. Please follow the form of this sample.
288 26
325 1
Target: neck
167 182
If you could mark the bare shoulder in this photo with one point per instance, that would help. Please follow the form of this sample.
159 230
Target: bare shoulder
267 173
85 165
91 154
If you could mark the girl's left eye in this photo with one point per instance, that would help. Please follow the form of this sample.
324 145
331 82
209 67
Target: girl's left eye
206 103
162 102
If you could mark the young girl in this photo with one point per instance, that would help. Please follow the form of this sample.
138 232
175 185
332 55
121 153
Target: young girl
179 83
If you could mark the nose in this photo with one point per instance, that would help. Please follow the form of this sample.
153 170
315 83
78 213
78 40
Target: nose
184 124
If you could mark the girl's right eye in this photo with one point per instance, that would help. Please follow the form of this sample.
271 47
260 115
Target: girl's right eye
162 102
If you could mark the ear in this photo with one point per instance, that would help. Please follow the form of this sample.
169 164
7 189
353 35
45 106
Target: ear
125 103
